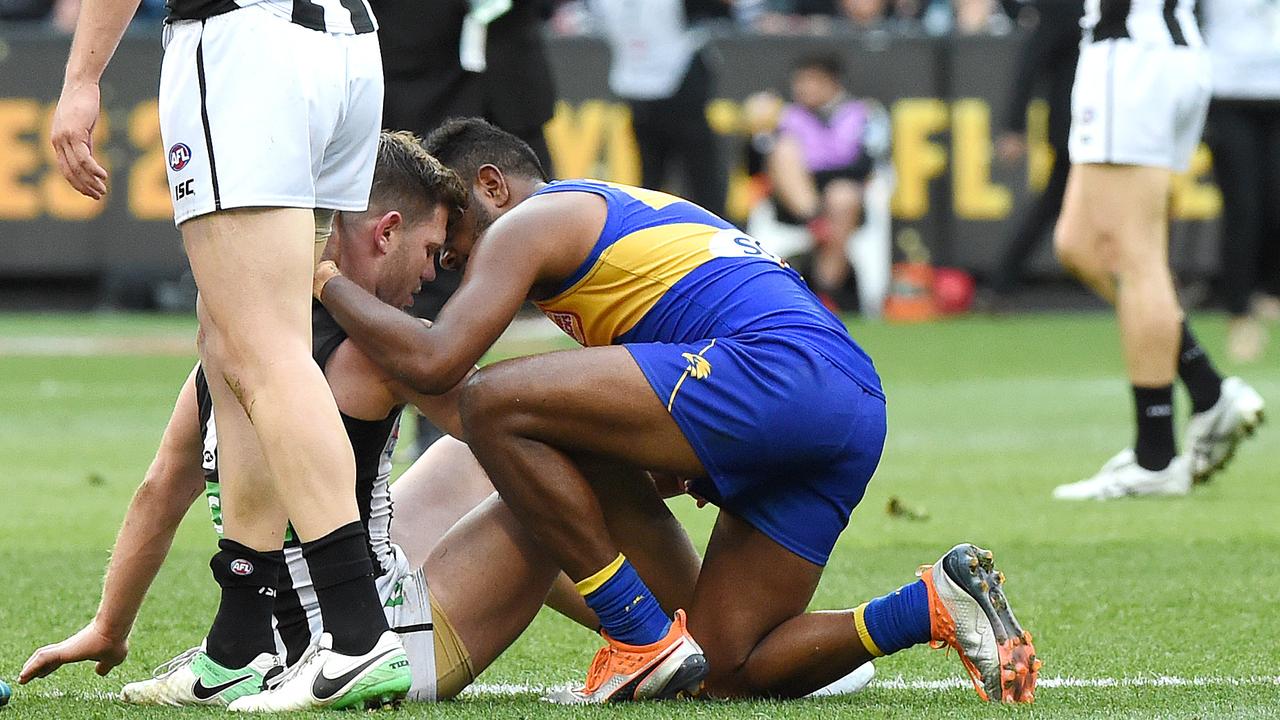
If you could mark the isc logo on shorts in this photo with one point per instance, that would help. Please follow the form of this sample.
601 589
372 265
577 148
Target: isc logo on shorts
179 156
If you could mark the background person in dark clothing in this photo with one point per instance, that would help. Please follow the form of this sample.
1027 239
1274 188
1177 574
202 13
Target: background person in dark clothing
659 69
1047 60
1244 134
427 84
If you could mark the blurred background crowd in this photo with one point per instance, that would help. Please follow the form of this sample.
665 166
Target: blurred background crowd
936 17
808 160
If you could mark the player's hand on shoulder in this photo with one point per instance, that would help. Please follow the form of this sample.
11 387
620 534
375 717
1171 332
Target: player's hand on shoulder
90 643
72 139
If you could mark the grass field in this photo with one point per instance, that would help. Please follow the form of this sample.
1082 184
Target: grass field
1140 609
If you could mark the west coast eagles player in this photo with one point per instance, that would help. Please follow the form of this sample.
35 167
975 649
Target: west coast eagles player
706 358
1138 106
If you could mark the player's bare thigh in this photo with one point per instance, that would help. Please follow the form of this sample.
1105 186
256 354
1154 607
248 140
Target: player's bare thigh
590 401
440 487
1110 214
253 269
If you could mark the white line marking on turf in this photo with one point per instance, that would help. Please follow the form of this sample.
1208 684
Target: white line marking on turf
894 683
901 683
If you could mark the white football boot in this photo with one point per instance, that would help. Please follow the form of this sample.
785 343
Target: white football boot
1213 435
969 612
854 682
323 678
193 678
1122 476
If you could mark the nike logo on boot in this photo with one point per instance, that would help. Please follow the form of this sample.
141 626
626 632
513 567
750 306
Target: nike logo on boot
204 693
324 688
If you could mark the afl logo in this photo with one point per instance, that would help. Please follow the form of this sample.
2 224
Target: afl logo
241 567
179 156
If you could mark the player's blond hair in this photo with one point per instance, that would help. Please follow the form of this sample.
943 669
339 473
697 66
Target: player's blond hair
409 179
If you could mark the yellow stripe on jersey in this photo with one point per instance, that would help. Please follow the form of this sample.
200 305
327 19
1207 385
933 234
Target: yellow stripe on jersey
653 198
630 277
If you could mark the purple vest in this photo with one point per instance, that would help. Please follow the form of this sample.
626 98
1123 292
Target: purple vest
831 143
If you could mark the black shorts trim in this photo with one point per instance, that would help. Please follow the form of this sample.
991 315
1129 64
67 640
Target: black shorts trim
409 629
1113 20
360 20
308 14
1171 22
204 119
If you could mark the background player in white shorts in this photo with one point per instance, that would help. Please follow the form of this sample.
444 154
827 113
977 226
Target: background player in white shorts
1138 107
269 110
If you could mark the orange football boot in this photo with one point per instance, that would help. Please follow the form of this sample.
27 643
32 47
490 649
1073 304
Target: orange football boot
673 667
969 612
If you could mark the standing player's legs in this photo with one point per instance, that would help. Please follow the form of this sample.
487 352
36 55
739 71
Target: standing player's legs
254 524
261 116
1137 114
1113 233
252 266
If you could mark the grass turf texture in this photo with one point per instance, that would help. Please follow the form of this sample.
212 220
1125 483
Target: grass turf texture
986 416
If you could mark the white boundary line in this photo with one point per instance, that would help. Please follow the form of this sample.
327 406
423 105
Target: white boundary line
901 683
493 690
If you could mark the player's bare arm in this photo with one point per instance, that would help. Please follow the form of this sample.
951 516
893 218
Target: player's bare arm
364 390
172 484
98 31
538 243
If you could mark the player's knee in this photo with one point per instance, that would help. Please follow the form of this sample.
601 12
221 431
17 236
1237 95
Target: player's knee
1142 252
484 406
246 368
1069 246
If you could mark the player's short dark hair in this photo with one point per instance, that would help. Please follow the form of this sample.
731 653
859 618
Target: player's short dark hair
464 144
408 179
827 63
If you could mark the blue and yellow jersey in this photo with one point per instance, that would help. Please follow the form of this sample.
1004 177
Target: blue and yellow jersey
665 270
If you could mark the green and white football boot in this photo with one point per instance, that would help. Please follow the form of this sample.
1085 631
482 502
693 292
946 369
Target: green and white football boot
193 678
323 678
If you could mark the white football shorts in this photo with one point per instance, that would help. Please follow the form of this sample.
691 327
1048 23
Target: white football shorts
256 111
1136 104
